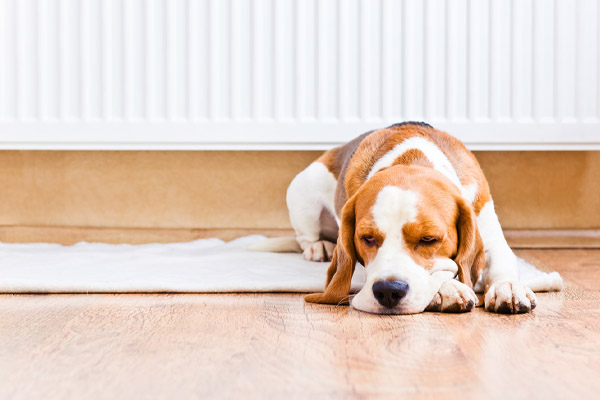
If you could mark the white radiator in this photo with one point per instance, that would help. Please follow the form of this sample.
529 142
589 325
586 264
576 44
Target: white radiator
296 74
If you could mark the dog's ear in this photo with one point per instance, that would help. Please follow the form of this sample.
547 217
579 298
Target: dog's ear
341 269
470 254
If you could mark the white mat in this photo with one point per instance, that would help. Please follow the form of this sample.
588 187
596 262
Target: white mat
208 265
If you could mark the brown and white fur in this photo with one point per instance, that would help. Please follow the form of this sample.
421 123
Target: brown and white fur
414 208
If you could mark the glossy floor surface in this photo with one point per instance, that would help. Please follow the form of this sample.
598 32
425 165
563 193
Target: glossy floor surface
276 346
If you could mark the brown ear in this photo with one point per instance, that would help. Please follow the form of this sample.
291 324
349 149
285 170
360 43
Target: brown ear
470 255
341 269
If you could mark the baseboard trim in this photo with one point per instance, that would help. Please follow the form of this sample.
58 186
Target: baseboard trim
554 239
519 239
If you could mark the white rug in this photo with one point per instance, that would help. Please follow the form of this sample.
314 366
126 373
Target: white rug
202 266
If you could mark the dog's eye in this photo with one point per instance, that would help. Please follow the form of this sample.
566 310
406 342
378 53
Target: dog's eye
369 240
428 240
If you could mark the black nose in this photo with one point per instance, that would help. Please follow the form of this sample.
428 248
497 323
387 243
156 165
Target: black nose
389 293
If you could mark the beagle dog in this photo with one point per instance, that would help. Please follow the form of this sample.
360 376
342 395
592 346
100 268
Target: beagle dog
411 204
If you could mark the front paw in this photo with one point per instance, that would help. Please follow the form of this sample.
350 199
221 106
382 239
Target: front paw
509 297
453 297
319 251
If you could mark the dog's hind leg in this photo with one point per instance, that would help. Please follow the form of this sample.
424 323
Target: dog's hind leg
310 203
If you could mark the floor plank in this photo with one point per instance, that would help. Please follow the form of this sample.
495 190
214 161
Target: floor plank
276 346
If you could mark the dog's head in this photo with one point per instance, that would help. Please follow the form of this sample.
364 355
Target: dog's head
412 230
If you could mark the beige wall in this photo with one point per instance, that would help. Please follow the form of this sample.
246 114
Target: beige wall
247 189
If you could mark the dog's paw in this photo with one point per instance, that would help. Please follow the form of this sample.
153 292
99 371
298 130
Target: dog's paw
319 251
509 297
453 297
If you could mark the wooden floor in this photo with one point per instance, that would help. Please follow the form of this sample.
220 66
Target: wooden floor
276 346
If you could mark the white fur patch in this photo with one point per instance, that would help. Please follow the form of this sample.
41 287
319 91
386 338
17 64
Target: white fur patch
393 208
311 190
501 261
469 192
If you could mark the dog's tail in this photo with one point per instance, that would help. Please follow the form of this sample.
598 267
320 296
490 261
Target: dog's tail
285 244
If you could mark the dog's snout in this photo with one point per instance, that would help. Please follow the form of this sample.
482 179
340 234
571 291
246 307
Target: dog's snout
389 293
